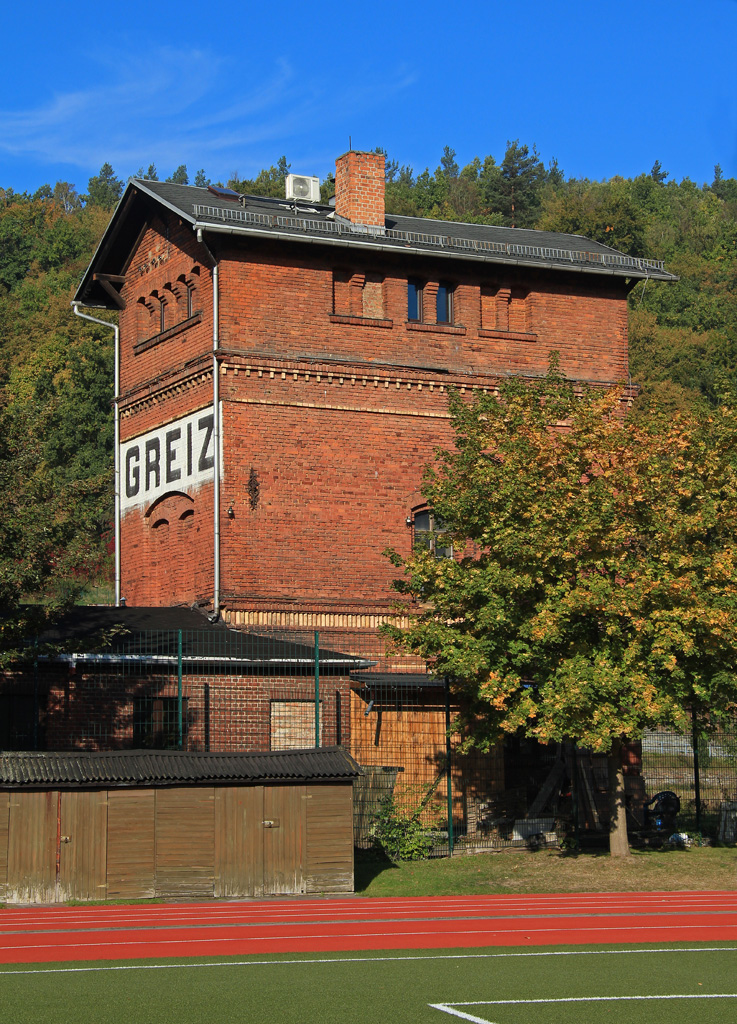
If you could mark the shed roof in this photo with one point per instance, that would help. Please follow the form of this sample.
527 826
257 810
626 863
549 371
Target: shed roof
101 634
36 770
315 223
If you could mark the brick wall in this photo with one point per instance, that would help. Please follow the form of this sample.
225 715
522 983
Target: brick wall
332 403
84 710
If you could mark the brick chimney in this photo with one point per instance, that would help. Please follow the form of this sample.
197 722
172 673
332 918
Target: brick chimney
359 189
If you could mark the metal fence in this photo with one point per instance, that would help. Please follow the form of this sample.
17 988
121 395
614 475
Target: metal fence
225 689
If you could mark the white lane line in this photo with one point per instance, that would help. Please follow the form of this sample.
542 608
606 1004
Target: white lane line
565 920
353 913
365 936
372 959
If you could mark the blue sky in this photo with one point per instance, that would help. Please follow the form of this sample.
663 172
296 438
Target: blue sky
605 87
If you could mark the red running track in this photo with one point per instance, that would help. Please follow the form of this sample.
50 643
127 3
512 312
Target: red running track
43 934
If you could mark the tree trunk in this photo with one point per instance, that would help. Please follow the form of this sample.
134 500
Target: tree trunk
618 844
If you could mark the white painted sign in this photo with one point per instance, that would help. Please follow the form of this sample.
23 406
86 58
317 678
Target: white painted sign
176 457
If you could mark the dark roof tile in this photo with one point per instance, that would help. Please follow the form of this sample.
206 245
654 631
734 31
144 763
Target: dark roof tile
162 768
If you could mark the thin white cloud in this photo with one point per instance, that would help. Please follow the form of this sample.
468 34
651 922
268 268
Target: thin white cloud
167 105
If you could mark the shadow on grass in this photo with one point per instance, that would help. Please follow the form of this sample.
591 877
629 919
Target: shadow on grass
368 865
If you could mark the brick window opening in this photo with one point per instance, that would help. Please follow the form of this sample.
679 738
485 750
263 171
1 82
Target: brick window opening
414 301
20 728
429 534
518 310
292 724
505 308
188 289
341 292
156 722
444 303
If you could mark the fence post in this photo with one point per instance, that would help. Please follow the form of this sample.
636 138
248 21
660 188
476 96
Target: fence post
180 731
35 695
696 772
317 688
574 794
449 774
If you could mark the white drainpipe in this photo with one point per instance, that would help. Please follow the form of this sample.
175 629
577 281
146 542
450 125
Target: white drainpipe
216 426
116 420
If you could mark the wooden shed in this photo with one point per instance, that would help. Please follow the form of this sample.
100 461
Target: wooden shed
132 824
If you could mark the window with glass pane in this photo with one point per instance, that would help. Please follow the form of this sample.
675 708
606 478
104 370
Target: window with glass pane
445 303
429 534
414 300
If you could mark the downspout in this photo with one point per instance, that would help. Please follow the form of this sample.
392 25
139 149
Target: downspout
116 442
216 427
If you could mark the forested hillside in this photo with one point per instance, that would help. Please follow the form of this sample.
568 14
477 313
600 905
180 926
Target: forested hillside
56 370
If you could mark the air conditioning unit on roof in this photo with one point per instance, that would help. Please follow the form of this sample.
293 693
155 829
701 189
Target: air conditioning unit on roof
304 188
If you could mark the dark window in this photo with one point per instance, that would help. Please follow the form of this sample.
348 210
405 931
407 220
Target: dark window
445 303
19 726
429 534
156 722
414 300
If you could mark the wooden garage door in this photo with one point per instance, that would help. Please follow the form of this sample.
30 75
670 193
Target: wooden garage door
239 843
284 838
329 851
260 840
4 819
32 847
83 848
131 867
185 841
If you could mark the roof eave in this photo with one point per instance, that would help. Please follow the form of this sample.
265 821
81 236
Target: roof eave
362 242
133 188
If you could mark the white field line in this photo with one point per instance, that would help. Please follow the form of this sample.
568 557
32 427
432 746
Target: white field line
452 1008
370 960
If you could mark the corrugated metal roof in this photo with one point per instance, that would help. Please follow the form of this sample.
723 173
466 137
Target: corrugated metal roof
282 218
32 770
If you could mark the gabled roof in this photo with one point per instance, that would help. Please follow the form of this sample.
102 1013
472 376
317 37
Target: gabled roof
296 221
172 767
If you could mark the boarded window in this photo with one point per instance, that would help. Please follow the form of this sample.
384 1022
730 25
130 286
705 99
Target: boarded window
293 724
373 297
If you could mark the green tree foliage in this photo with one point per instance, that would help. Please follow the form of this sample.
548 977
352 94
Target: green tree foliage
180 176
55 410
148 175
201 179
596 592
104 189
266 183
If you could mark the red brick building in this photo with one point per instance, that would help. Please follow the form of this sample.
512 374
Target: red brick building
301 354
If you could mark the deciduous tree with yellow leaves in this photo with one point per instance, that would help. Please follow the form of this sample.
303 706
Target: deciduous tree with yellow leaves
594 589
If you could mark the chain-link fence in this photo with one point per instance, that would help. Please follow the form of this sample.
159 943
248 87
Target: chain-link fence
226 689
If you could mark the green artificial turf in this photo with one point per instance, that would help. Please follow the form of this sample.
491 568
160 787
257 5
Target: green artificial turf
388 988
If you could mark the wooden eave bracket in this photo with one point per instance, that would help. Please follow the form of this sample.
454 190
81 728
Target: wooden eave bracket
106 281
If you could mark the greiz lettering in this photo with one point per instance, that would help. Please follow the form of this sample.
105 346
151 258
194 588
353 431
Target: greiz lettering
132 472
206 461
